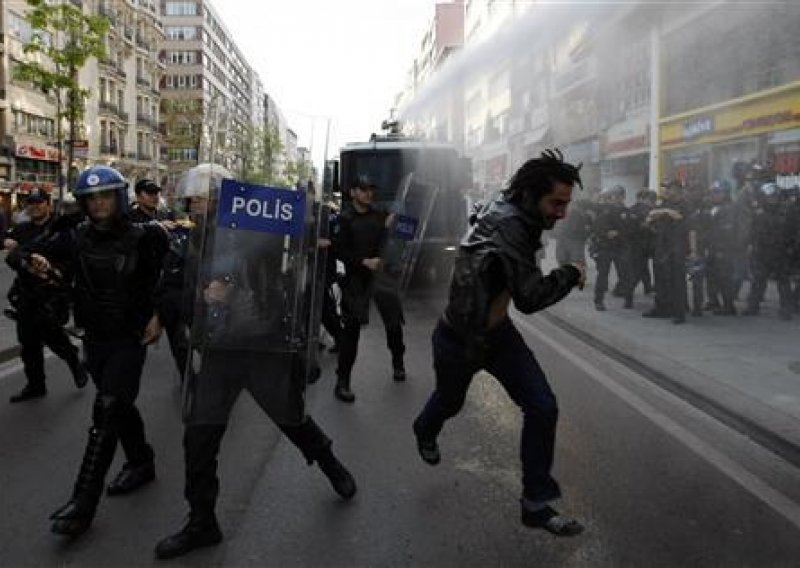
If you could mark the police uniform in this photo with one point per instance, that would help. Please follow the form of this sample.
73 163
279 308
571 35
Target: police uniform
41 310
771 241
360 236
238 343
670 243
116 266
610 245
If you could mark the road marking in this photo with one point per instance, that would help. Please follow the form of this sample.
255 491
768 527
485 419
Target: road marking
779 502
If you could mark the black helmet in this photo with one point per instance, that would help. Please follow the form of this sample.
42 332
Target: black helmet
365 181
146 185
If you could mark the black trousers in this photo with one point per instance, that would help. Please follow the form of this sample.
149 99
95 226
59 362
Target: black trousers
201 445
391 312
33 334
765 269
115 365
177 334
514 365
603 260
721 279
670 282
640 268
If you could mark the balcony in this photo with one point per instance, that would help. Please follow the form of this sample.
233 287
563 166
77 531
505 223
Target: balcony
128 34
111 67
143 157
111 149
109 107
147 120
106 11
141 43
143 82
123 116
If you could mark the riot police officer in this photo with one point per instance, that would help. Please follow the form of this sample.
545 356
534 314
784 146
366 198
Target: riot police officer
360 236
641 241
770 242
242 340
116 266
722 250
41 305
169 294
146 207
610 244
671 248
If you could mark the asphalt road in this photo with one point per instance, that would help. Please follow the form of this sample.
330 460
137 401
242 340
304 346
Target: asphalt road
656 482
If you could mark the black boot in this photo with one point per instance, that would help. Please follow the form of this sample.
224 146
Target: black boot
341 479
79 373
131 478
315 446
28 392
342 390
201 530
76 516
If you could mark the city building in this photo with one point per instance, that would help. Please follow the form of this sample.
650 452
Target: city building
121 122
29 155
210 94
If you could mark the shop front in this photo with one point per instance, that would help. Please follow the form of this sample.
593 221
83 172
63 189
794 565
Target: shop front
36 163
712 143
625 156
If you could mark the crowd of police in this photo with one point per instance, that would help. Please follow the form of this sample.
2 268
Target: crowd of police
123 271
692 247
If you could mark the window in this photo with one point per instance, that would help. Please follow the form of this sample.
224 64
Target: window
182 57
181 8
181 32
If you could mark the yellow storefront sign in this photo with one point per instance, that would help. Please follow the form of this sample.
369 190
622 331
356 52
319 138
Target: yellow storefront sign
777 109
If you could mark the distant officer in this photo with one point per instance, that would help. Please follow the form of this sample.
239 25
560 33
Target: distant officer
169 294
668 221
147 205
610 245
722 250
641 241
358 242
698 210
116 266
41 305
769 247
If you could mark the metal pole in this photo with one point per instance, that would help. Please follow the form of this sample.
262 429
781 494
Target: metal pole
655 107
60 141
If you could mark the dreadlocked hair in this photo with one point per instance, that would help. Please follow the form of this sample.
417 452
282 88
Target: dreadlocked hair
535 178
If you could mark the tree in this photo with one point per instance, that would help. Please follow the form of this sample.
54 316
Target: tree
67 38
262 146
183 124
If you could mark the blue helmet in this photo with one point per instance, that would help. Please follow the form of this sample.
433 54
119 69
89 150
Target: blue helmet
96 179
721 186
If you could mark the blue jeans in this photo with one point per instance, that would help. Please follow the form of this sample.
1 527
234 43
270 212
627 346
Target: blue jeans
511 362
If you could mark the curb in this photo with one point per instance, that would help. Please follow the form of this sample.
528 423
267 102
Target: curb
9 353
747 416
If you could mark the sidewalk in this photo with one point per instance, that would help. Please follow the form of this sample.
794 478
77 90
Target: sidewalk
750 366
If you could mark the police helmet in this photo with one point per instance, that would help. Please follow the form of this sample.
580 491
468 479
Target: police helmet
721 186
197 181
146 185
365 181
97 179
769 189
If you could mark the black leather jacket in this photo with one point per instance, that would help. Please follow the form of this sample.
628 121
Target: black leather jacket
497 254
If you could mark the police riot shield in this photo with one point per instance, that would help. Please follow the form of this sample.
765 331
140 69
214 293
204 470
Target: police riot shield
316 281
245 274
410 211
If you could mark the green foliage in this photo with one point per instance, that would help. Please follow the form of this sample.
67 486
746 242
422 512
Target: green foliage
183 123
262 146
67 38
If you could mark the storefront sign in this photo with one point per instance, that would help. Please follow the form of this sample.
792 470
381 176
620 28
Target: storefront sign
80 149
32 152
626 138
698 127
769 113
